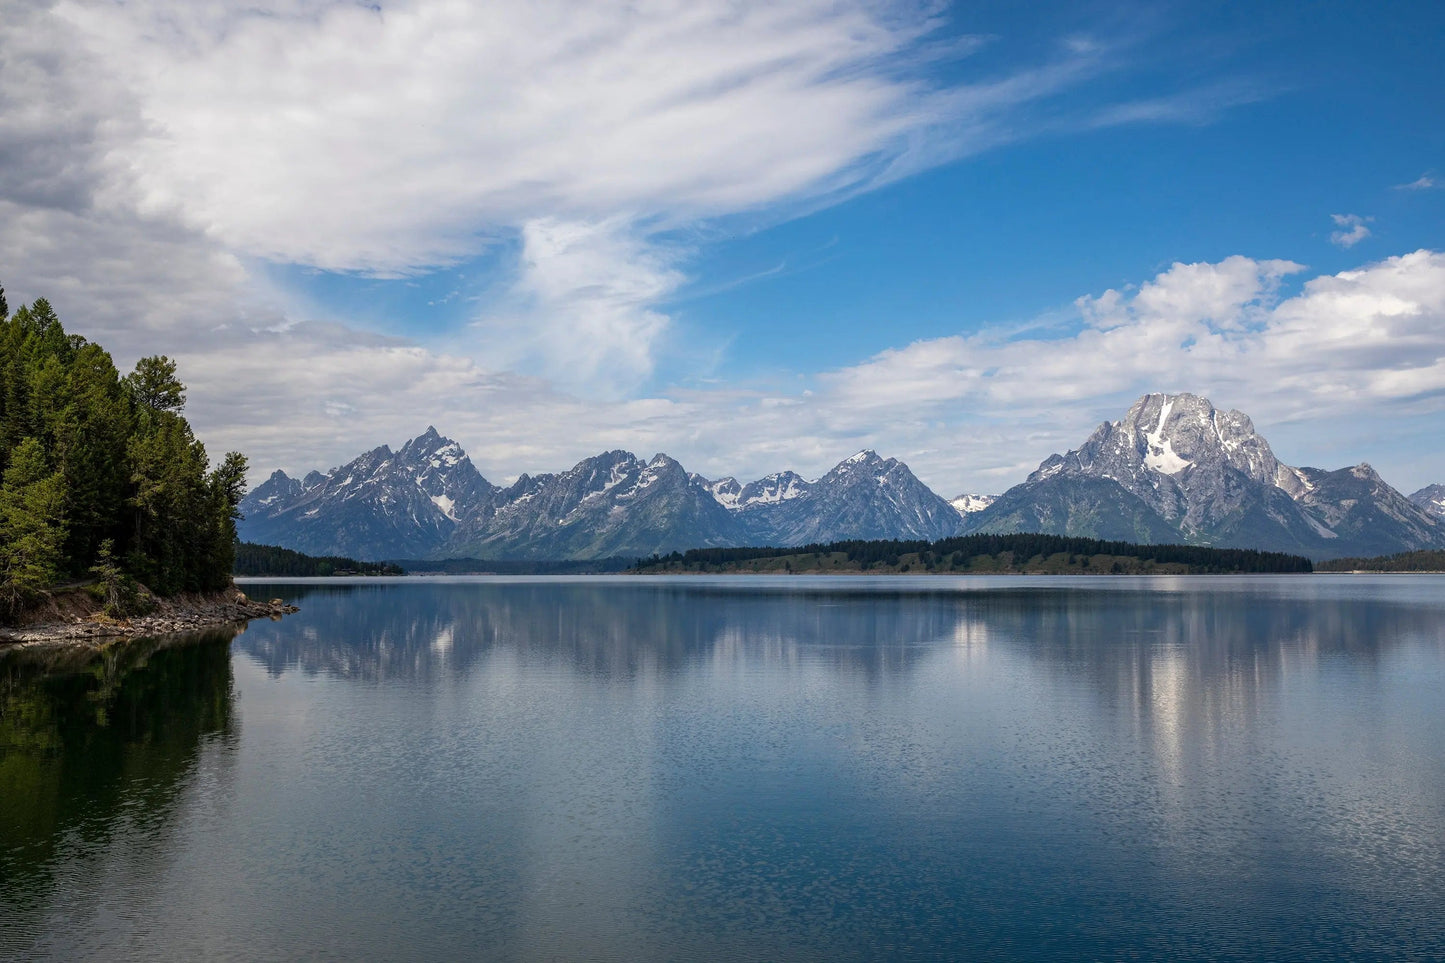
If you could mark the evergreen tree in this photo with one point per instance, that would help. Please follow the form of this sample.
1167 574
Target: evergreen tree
102 474
32 526
228 487
154 386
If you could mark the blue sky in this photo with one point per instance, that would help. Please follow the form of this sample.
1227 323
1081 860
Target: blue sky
754 238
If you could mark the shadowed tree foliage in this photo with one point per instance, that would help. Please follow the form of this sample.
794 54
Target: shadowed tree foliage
32 526
90 458
959 553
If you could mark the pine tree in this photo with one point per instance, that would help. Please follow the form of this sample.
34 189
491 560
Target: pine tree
32 527
101 474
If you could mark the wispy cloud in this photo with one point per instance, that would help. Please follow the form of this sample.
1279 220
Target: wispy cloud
391 140
1352 229
394 141
582 310
1424 182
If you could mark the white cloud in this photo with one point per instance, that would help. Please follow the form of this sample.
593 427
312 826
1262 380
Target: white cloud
1352 229
395 139
1422 183
581 311
1350 350
1356 357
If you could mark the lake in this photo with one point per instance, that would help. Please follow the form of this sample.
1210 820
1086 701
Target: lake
743 768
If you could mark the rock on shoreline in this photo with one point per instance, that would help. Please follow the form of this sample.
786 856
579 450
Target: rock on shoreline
75 618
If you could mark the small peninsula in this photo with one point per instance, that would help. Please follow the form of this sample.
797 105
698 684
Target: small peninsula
112 520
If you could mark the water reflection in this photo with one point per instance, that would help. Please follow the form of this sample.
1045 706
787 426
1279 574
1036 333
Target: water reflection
1136 642
98 746
753 769
606 628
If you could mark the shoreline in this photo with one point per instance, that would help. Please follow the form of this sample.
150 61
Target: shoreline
74 618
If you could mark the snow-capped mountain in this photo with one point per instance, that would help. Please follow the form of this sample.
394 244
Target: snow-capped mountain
1174 469
1177 468
612 504
1432 499
967 504
864 496
384 504
427 500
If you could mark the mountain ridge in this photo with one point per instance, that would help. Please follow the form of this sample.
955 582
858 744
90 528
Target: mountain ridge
1174 469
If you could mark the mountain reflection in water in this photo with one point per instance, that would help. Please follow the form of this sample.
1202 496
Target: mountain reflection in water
771 768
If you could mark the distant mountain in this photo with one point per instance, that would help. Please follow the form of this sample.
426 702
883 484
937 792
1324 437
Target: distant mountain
1432 499
609 505
383 504
1175 468
865 496
967 504
427 501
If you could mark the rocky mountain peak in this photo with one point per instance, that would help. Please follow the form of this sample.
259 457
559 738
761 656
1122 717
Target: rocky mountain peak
1432 499
433 449
1177 467
865 457
1173 436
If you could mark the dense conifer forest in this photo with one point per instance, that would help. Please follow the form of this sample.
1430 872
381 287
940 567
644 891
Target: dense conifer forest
1423 561
101 478
980 554
253 559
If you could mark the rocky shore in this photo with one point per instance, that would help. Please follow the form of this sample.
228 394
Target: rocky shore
75 618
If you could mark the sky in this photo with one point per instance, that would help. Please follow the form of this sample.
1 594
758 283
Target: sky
754 236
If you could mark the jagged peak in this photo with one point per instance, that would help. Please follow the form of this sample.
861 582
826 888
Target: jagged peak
612 457
279 475
431 441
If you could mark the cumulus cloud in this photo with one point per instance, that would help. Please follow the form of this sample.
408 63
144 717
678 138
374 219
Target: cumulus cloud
1349 357
1352 229
1346 350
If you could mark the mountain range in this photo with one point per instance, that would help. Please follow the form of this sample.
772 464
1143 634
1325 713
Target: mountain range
1174 469
427 500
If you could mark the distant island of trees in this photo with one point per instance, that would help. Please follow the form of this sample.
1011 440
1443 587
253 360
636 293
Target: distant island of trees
979 554
253 559
1422 561
101 478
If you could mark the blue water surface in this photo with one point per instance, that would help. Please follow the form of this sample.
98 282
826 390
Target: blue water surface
769 768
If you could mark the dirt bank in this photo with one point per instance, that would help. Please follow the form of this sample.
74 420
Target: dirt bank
75 617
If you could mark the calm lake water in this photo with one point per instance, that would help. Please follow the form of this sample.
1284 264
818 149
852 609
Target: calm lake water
769 769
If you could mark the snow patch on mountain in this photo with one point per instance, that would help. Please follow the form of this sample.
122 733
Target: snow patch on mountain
967 504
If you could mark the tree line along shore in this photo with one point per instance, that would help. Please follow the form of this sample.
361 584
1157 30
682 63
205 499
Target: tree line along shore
103 485
979 555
